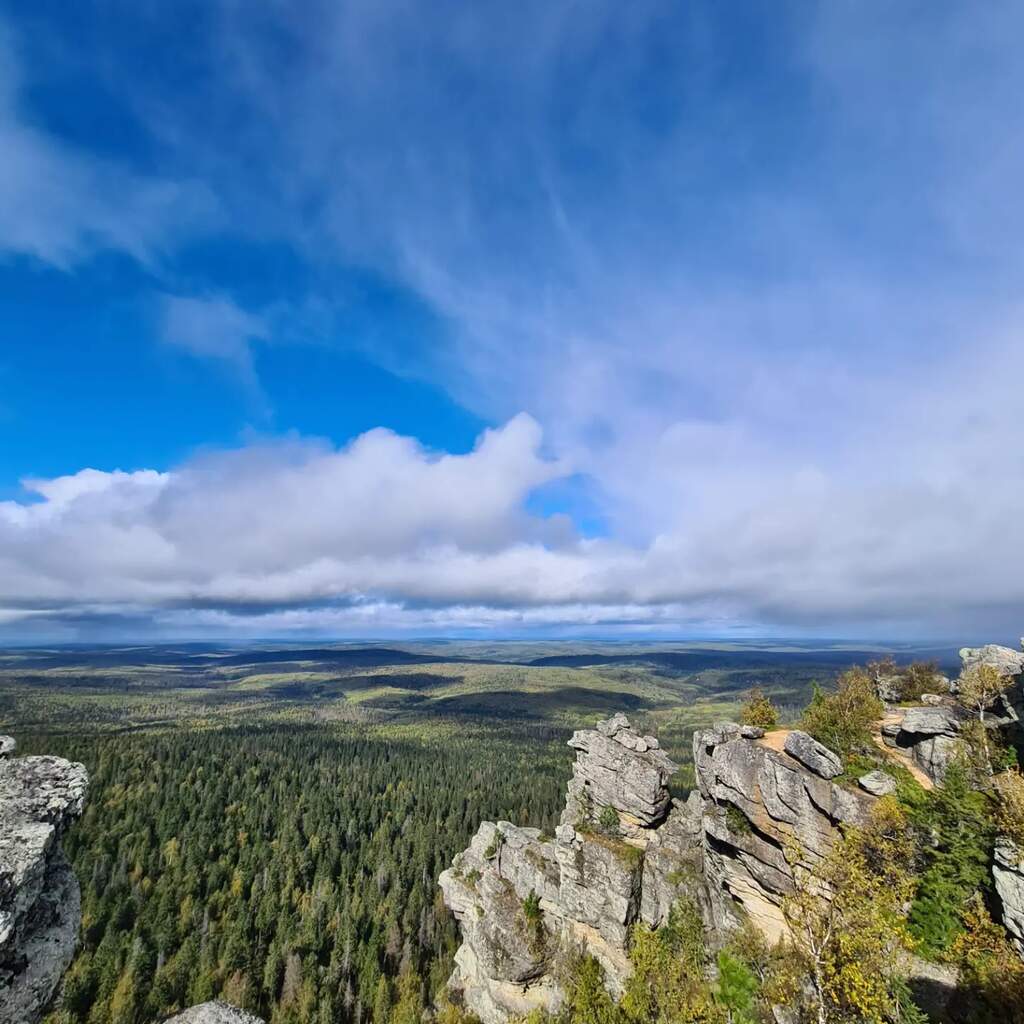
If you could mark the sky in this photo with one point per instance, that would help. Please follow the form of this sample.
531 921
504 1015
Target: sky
382 318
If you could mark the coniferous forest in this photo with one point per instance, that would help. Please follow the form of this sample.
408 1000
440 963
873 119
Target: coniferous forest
290 869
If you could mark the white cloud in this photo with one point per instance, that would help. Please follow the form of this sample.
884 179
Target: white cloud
789 361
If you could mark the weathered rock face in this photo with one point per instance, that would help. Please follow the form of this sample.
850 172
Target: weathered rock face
812 754
40 902
214 1013
617 768
1008 873
522 898
623 852
757 801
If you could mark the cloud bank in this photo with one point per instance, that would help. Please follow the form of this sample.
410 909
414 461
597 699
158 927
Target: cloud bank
774 322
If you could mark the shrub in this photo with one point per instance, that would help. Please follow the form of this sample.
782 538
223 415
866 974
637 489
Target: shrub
1009 787
991 974
609 820
531 907
842 720
759 711
738 822
978 687
918 678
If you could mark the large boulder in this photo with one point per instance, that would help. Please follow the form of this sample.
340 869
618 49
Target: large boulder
929 735
1008 708
1005 660
877 783
812 754
40 901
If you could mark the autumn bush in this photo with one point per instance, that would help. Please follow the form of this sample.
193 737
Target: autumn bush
842 720
759 711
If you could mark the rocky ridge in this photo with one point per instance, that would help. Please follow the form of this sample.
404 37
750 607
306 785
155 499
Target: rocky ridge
625 851
523 898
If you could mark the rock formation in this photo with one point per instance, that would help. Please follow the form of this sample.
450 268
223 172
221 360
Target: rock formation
759 800
40 902
214 1013
619 855
1008 874
625 852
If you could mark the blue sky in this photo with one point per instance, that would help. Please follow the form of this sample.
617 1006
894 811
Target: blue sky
383 318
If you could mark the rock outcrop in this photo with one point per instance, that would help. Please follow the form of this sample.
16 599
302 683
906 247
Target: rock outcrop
1008 874
214 1013
621 853
758 801
929 733
625 852
40 902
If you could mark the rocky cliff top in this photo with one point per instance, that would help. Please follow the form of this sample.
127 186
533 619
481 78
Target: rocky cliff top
40 902
521 896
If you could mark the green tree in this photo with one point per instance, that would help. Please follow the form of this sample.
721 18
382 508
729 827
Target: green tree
842 720
977 688
759 711
736 989
852 941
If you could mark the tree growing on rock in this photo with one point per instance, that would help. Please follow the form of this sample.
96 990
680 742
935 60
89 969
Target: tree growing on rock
843 720
977 688
847 919
759 711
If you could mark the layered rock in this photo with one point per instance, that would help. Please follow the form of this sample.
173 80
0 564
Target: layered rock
625 852
1008 708
621 853
929 735
40 901
760 803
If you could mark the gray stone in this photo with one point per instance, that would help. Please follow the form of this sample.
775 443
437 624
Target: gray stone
784 803
1008 874
877 783
889 688
214 1013
40 905
617 768
751 732
931 721
812 754
933 699
1005 660
8 745
673 863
